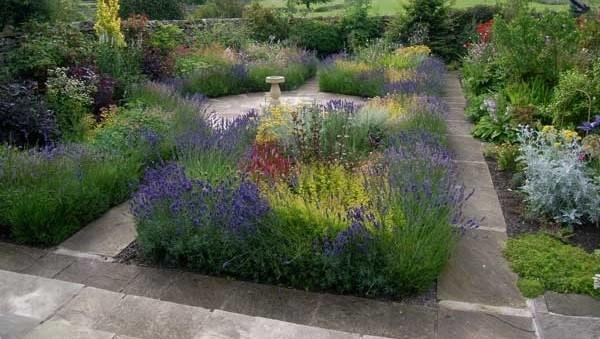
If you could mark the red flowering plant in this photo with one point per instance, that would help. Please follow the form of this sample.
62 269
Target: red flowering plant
484 31
268 161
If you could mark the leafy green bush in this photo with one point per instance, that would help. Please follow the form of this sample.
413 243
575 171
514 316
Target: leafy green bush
123 64
324 38
71 99
229 34
553 264
535 46
153 9
576 97
47 46
166 37
265 23
220 9
423 22
15 12
358 27
51 193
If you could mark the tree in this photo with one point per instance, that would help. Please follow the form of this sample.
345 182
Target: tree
308 3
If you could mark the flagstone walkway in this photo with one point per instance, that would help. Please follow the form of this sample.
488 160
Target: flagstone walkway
77 291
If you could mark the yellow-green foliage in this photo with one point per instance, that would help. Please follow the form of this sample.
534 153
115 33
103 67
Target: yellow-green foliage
108 23
321 195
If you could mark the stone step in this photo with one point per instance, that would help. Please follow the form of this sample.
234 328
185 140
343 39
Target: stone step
106 236
39 308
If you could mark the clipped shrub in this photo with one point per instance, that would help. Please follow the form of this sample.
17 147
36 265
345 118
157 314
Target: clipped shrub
265 23
324 38
15 12
154 9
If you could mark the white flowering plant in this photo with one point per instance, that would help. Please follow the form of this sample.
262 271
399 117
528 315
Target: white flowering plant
557 181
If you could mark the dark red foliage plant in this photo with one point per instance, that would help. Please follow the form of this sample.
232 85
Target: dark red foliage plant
267 161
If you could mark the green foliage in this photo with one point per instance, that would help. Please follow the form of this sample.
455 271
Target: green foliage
424 22
308 3
265 23
121 63
220 9
154 9
556 266
166 37
71 99
358 27
507 156
530 288
576 97
46 198
496 128
535 46
229 34
15 12
345 80
47 46
324 38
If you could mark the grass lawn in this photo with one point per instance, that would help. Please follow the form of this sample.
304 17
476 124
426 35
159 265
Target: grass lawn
390 7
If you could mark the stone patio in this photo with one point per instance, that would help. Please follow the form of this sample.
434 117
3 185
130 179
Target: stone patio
77 291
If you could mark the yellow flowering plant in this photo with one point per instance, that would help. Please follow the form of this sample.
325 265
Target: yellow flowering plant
108 22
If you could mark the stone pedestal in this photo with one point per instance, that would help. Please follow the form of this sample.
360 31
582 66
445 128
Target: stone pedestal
275 92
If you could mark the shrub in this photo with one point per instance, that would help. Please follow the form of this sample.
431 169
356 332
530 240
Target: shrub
423 22
25 119
166 38
220 9
15 12
554 265
531 46
576 97
265 23
108 23
48 46
122 64
557 183
358 27
153 9
229 34
71 99
51 193
324 38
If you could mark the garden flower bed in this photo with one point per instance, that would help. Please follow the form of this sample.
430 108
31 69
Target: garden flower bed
532 82
216 71
340 197
380 69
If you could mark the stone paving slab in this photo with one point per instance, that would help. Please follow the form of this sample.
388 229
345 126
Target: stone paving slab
18 258
105 275
226 325
459 127
484 207
33 297
199 290
58 330
152 283
477 272
153 319
88 307
475 175
15 327
49 265
272 302
554 326
573 305
106 236
454 324
466 148
371 317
